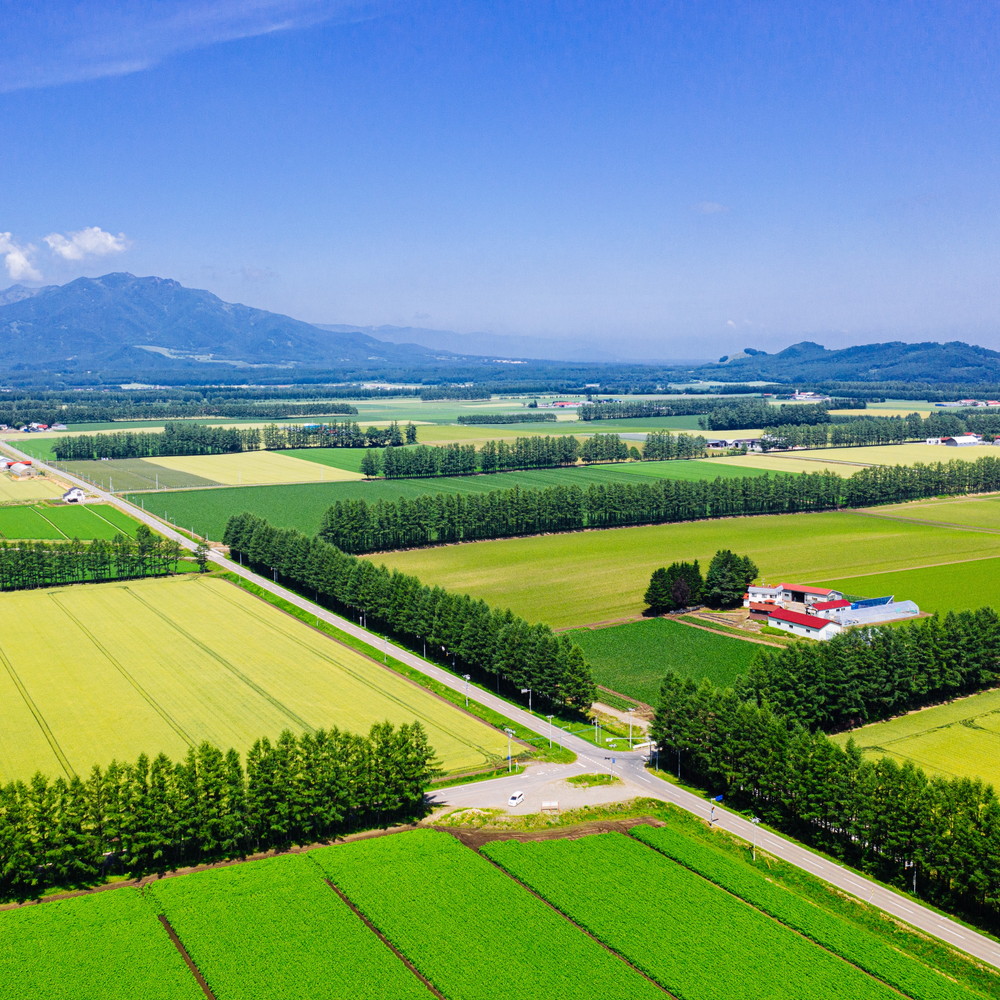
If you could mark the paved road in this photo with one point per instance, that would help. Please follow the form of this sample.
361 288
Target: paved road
546 782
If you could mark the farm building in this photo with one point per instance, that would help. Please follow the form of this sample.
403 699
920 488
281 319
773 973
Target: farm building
74 495
961 440
875 610
810 626
21 468
830 609
788 593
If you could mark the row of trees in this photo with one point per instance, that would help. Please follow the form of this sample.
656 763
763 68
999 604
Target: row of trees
534 452
184 438
889 820
680 584
864 675
534 417
868 431
465 633
28 565
361 526
155 815
733 414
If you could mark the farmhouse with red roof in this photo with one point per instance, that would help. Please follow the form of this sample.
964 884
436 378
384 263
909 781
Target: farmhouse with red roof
810 626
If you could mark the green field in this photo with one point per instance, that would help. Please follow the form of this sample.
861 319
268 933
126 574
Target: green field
105 946
633 658
595 576
960 739
114 670
278 925
683 904
707 942
302 505
421 890
971 512
61 522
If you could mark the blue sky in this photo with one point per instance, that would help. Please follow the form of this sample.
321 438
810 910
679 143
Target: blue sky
683 178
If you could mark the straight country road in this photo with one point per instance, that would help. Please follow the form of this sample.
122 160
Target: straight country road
546 782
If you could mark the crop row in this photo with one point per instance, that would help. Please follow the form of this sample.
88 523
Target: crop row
698 941
473 932
109 945
857 945
275 929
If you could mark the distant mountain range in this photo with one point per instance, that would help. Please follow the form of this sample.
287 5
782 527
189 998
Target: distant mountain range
123 322
891 362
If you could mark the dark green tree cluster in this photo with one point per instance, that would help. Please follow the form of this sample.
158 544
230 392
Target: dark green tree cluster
361 526
895 483
630 409
733 414
507 418
454 628
864 675
663 446
156 815
727 579
455 392
673 587
875 815
28 565
867 431
604 448
197 439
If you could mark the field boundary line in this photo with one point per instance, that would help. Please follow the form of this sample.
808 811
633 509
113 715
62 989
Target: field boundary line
50 737
219 658
178 944
117 664
562 913
729 635
906 569
802 934
367 682
54 525
383 938
93 510
921 520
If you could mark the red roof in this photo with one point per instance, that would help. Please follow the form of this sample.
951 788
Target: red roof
829 605
765 608
794 618
805 590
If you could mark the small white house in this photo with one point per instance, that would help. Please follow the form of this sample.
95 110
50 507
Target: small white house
810 626
761 594
74 495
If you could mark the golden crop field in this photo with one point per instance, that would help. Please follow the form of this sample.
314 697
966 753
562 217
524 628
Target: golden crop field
259 468
27 488
960 739
102 671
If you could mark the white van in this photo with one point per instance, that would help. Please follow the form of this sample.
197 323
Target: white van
515 800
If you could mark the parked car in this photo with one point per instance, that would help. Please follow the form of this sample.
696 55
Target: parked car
515 800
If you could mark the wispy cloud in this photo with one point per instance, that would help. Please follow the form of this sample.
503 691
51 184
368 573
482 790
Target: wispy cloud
709 207
17 259
87 40
21 259
90 242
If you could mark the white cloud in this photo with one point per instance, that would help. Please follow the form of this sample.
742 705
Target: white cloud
17 259
90 242
709 208
90 40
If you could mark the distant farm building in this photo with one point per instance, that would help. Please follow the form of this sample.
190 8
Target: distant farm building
789 593
810 626
74 495
21 469
961 440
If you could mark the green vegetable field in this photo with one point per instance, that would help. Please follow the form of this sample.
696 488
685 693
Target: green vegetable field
63 522
105 946
468 928
633 658
695 939
275 929
857 945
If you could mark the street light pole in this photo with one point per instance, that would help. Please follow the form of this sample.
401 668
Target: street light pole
549 717
753 850
630 717
510 766
467 676
527 691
